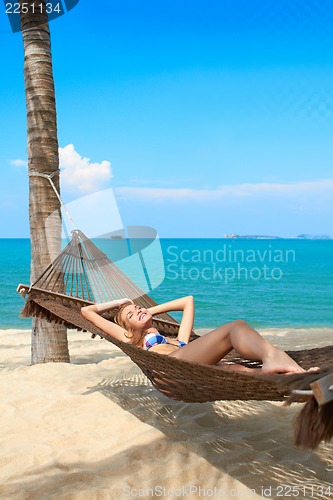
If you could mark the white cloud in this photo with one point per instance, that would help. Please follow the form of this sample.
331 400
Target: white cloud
260 208
162 194
303 198
19 163
309 189
80 174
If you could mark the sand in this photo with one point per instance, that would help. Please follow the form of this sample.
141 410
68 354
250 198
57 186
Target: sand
96 429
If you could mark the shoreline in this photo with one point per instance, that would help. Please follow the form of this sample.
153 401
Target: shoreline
274 331
285 338
263 329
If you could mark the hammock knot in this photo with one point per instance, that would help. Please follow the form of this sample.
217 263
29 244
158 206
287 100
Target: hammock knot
46 175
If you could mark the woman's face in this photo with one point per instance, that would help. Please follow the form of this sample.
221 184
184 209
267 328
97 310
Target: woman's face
136 317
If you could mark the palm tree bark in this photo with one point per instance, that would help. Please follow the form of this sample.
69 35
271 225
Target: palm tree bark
49 341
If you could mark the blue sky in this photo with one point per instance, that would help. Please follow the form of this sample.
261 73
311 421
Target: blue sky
205 118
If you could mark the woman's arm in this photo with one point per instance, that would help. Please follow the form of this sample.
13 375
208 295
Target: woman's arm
185 304
92 313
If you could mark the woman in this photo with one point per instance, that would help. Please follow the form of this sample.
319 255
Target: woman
133 324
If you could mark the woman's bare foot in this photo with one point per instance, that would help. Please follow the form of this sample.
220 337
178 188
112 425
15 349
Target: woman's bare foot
260 371
278 361
239 368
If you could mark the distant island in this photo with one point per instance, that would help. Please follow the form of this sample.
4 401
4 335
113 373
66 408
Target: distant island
266 237
314 237
252 236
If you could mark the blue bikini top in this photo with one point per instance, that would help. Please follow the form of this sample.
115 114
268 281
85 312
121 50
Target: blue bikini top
152 339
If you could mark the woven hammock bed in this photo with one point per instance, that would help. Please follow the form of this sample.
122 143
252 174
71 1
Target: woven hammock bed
82 274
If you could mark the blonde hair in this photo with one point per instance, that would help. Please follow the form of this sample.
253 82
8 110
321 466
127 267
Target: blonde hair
135 336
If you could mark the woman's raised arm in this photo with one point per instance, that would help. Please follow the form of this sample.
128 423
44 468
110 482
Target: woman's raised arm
93 311
185 304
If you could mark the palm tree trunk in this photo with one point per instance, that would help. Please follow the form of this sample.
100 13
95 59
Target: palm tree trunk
49 341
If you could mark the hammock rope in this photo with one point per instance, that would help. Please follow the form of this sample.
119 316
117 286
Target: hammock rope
49 178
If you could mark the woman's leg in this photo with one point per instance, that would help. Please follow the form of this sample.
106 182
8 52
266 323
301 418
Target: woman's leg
212 347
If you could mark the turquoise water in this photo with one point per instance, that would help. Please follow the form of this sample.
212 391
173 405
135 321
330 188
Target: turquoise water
269 283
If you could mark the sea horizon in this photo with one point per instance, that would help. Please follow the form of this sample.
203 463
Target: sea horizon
244 237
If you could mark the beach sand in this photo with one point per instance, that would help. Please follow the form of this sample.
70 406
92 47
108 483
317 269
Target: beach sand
96 429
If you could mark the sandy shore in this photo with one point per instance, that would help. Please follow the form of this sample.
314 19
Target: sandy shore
96 429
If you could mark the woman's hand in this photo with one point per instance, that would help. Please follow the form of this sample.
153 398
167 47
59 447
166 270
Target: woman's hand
125 301
106 306
93 313
113 304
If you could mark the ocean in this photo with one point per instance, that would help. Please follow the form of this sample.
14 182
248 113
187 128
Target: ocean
278 283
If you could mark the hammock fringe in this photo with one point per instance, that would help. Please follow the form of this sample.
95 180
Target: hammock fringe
313 424
32 309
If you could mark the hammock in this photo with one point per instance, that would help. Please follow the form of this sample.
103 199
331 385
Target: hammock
82 274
